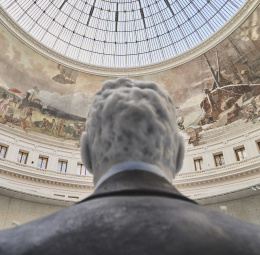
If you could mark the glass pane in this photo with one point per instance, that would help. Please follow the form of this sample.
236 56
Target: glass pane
239 153
44 163
201 164
78 169
245 154
83 170
59 167
197 165
23 160
64 164
157 30
217 161
2 154
222 160
19 158
39 162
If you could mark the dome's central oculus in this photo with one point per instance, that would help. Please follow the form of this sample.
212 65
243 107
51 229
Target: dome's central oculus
121 33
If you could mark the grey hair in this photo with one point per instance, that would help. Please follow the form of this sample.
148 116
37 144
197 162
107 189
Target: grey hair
132 120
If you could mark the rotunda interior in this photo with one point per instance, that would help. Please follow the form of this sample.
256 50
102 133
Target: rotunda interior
54 57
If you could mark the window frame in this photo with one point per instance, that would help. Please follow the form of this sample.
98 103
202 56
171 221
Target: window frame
200 160
218 155
62 162
241 149
22 152
81 166
6 148
258 145
43 158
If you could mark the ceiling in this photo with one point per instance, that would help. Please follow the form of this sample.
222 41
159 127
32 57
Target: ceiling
121 33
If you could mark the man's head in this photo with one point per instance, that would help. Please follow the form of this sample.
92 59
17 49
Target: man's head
131 120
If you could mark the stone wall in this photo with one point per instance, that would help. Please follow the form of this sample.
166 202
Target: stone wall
15 211
247 208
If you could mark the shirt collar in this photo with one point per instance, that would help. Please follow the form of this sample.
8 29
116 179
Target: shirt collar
130 166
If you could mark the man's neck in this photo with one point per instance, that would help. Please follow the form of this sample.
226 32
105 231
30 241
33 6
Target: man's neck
132 165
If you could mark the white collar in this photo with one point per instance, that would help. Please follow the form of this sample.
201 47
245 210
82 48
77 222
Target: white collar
130 166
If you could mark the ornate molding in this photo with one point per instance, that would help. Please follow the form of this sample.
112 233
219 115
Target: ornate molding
242 14
239 169
245 167
18 170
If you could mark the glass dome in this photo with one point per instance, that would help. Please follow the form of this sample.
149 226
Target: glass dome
121 33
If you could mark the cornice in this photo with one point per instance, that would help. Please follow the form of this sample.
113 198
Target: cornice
242 14
237 170
226 133
18 170
227 196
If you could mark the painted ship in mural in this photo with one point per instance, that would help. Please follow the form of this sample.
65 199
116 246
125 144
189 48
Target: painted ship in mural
231 97
226 90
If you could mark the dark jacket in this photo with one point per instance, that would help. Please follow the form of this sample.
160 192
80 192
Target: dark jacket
133 213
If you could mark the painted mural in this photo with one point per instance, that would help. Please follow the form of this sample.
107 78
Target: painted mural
216 89
40 96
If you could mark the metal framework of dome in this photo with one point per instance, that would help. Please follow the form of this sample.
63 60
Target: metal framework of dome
121 33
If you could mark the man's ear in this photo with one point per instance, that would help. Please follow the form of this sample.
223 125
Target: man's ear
180 154
85 153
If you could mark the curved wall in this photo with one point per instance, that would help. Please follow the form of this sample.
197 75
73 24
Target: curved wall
35 90
24 188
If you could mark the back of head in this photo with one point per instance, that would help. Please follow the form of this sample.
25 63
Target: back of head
131 120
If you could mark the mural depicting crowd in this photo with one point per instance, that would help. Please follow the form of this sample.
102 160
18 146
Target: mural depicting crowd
29 114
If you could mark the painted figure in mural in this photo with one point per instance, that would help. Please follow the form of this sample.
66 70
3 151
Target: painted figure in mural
228 103
24 126
28 114
66 75
78 129
15 101
5 104
194 134
251 111
232 78
245 77
180 122
233 114
4 95
133 148
247 96
45 124
8 113
205 119
54 127
60 126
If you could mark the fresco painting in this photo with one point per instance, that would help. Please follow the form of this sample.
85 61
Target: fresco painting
213 90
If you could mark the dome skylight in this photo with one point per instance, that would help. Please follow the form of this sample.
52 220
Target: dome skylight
121 33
